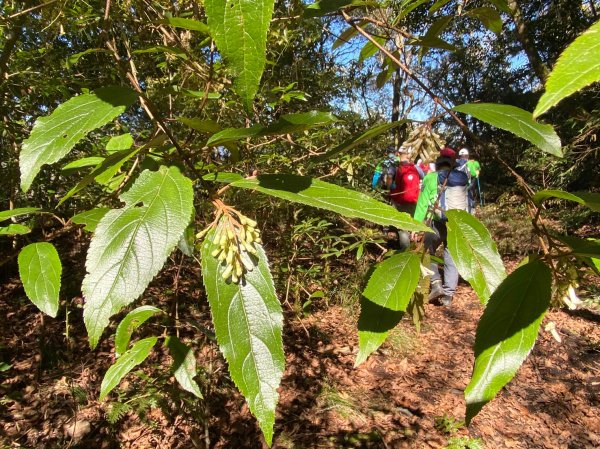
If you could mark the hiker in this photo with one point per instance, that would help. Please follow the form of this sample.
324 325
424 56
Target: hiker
472 168
385 171
444 189
405 191
448 152
424 168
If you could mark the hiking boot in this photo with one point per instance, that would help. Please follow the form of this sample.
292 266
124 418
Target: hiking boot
446 301
436 290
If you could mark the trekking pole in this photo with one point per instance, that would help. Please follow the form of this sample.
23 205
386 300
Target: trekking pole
481 200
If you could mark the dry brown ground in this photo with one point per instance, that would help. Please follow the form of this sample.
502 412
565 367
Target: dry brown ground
391 401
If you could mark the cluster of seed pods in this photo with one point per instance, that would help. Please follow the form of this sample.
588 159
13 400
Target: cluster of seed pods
235 237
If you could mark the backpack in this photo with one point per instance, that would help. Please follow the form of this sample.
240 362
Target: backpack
408 185
383 177
452 192
463 166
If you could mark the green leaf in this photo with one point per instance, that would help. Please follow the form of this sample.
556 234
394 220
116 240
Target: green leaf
52 137
124 364
324 7
516 121
287 124
130 245
588 199
437 5
581 247
239 28
577 67
102 172
6 214
129 324
223 177
82 163
74 59
90 218
438 26
345 37
14 229
501 5
370 49
394 281
184 365
384 76
186 24
178 52
40 270
234 134
432 42
386 297
187 241
475 254
248 322
408 8
374 325
204 126
433 33
358 140
507 332
299 122
316 193
119 143
192 93
489 17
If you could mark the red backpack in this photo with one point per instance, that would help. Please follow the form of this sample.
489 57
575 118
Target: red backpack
408 185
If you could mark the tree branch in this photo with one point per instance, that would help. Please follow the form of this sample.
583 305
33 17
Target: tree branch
524 38
527 190
131 75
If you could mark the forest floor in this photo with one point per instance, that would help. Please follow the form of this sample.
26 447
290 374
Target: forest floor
408 394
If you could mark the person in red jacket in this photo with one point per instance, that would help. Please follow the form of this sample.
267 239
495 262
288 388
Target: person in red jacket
405 192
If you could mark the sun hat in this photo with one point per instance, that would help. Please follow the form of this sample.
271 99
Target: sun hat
447 152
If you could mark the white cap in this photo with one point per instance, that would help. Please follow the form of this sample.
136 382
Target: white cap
463 152
404 150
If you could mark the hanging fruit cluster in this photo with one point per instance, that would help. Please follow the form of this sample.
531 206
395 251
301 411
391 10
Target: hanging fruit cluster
565 285
424 143
235 237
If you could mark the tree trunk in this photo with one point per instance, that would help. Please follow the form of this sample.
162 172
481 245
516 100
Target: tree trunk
524 38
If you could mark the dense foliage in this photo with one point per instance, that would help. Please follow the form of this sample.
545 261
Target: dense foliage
143 121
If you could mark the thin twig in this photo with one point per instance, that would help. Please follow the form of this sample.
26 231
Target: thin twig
131 75
528 191
33 8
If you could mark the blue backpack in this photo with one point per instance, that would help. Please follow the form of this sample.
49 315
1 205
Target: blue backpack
452 191
384 174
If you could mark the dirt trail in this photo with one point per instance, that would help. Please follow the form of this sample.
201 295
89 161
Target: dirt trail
391 401
398 393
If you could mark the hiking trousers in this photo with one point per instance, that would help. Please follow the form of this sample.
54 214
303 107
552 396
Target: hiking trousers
404 236
432 242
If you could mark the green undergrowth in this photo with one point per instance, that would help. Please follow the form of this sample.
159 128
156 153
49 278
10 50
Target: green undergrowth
402 341
510 225
331 398
450 426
